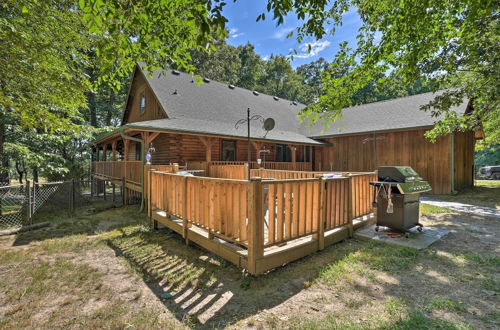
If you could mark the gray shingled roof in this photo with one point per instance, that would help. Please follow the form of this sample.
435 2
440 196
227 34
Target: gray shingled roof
217 102
220 128
214 108
397 114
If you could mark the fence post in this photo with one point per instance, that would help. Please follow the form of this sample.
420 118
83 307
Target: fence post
72 198
124 192
104 190
255 224
184 210
350 207
322 213
28 198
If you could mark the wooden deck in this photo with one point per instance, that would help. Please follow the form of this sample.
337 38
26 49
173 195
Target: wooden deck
258 224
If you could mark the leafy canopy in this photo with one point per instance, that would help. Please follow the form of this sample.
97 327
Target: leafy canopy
449 43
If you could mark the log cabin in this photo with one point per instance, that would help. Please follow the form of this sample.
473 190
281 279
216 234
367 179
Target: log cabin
180 121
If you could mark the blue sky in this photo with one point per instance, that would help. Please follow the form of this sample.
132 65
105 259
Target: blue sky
269 39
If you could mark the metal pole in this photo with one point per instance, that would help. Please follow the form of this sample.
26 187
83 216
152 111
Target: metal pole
248 145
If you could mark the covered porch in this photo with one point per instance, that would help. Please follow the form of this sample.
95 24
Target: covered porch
121 156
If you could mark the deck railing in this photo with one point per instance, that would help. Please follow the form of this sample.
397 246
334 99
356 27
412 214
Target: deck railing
238 172
286 166
283 174
130 170
217 205
278 210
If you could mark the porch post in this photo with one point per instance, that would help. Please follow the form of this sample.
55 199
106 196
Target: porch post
104 151
113 150
126 145
294 153
311 158
208 152
255 224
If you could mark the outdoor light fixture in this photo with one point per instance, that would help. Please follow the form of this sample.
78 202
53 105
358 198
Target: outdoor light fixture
149 154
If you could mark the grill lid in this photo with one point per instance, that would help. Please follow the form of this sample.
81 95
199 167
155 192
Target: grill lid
397 174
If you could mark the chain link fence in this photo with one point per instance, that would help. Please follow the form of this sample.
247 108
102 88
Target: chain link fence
20 203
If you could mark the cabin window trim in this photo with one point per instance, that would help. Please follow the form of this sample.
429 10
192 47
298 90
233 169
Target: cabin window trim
142 102
229 156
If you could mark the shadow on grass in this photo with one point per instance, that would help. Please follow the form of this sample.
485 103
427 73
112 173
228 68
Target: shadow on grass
86 221
204 291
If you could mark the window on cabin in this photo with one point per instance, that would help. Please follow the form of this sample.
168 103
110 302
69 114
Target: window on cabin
142 102
228 150
283 153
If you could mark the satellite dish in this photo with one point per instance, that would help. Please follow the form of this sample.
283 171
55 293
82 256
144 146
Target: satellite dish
269 124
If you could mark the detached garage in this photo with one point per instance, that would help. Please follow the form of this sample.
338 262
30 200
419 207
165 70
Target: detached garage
392 133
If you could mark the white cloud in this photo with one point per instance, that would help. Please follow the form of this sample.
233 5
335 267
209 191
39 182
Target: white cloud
233 33
266 57
281 33
316 48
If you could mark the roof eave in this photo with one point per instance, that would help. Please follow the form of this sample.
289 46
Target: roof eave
152 128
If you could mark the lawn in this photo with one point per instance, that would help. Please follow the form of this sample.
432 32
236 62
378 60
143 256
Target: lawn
108 270
487 183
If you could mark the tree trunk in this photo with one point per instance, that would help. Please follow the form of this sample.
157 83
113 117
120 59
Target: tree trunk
92 108
20 172
35 174
111 102
4 161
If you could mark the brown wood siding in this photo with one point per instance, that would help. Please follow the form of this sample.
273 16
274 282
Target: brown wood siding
153 109
367 151
464 160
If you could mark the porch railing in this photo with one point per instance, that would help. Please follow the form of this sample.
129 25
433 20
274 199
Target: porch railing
278 210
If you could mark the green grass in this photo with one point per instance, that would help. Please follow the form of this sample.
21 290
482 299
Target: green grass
481 259
426 209
371 257
487 183
445 304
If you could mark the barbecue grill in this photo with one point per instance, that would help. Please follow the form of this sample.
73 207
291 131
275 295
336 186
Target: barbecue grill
396 195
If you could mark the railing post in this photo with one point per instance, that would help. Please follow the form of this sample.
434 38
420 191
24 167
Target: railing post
350 207
255 224
150 204
185 226
322 213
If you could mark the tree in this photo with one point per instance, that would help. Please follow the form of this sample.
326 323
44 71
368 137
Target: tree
222 63
41 80
312 77
281 80
252 67
449 43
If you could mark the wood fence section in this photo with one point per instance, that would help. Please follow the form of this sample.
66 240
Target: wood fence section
163 168
336 203
219 206
362 194
238 172
293 209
